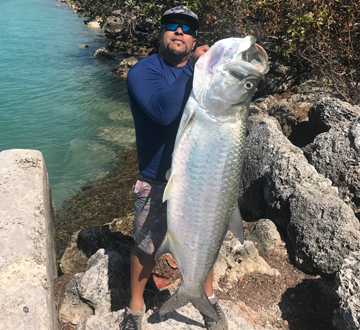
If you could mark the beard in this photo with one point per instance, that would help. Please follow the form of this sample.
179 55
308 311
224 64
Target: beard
178 53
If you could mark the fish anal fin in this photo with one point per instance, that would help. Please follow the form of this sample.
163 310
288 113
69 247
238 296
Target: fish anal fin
163 248
236 225
168 189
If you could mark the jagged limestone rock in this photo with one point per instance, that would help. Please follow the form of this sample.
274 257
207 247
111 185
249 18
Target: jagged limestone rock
266 238
347 316
323 230
336 155
273 168
278 183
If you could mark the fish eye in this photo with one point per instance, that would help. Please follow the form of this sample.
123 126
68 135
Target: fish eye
249 85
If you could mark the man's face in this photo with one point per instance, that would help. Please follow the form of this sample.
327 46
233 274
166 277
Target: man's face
176 43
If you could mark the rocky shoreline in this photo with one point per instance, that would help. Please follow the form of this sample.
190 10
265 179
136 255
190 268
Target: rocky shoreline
298 268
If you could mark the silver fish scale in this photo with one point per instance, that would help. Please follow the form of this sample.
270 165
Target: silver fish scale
206 168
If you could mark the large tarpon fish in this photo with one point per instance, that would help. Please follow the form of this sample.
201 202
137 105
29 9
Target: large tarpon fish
203 189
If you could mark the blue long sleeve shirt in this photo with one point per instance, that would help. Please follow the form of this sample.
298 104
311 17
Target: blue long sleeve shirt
158 92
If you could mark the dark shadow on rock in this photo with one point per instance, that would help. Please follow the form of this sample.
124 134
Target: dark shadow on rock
310 305
302 134
156 318
118 248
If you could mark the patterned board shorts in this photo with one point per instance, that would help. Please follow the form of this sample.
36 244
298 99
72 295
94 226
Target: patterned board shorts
150 215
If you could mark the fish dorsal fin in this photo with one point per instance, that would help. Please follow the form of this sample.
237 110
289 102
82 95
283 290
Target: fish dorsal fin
186 119
168 189
236 226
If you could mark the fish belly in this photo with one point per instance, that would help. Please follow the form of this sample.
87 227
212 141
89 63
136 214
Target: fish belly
206 168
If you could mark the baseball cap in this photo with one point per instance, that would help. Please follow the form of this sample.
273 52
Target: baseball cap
183 13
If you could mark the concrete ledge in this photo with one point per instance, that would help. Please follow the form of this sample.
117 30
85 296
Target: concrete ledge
27 254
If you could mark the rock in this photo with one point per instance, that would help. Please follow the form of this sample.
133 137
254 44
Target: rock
346 317
95 24
84 46
124 66
240 308
109 321
279 184
266 238
323 230
310 92
336 155
27 258
104 286
73 309
330 111
285 116
104 53
73 258
114 25
273 169
185 318
236 260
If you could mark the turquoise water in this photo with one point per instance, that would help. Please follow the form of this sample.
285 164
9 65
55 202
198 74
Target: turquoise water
56 97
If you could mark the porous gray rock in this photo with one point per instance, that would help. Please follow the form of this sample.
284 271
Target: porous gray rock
273 168
27 257
336 155
347 316
73 308
103 287
266 238
104 53
124 66
236 260
278 183
322 229
114 24
72 257
328 112
285 116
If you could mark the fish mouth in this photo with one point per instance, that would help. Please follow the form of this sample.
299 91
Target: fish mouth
252 62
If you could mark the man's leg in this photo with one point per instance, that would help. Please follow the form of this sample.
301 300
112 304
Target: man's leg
210 324
209 284
141 267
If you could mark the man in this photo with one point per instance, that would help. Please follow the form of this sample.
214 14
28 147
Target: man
158 89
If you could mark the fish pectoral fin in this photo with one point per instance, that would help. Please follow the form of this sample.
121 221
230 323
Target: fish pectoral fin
236 225
163 248
168 189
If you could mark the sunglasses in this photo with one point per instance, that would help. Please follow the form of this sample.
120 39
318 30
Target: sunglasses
185 28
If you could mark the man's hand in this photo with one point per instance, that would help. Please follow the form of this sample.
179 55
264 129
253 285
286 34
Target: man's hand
198 52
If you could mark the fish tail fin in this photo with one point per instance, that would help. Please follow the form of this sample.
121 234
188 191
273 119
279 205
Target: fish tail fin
203 305
179 299
176 301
